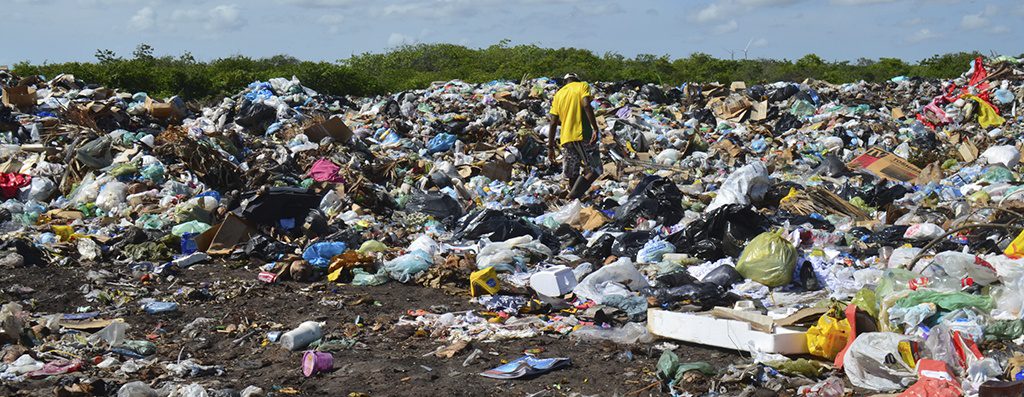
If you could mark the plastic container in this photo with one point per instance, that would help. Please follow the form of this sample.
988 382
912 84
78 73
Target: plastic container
301 336
161 307
484 282
314 362
554 281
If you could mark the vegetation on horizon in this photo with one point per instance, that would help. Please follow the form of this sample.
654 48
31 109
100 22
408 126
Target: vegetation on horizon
416 66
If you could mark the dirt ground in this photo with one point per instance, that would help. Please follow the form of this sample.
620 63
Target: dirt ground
386 361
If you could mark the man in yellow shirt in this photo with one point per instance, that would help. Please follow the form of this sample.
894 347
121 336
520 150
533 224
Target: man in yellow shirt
571 110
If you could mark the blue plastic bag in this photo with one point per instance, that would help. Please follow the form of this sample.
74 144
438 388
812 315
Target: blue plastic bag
320 254
440 143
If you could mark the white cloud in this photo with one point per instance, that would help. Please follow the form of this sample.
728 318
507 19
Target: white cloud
224 18
320 3
144 19
759 43
710 13
220 18
721 9
999 29
921 35
727 27
860 2
758 3
332 21
598 9
979 20
973 21
398 39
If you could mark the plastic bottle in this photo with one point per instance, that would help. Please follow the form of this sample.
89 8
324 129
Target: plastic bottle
301 336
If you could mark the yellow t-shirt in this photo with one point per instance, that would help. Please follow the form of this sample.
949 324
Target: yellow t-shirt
569 109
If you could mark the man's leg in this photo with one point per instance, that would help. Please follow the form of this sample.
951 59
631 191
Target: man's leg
570 164
590 160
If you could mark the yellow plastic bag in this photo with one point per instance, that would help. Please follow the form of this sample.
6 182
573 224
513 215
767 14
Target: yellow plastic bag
987 116
1016 248
768 259
828 337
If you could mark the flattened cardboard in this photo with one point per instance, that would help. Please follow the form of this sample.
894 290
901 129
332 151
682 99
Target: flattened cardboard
759 111
20 97
333 127
162 110
497 169
968 151
885 165
222 238
590 219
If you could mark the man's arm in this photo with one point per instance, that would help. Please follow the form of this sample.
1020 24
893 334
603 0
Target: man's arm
589 110
553 123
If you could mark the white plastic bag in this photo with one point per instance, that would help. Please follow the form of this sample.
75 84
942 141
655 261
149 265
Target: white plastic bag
865 362
1007 155
111 195
654 250
959 265
902 256
615 279
505 254
746 184
923 231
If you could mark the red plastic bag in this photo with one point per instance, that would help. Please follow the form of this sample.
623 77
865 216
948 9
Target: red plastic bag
10 183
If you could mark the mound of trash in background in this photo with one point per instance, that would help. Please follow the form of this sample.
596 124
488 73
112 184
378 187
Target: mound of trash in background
798 238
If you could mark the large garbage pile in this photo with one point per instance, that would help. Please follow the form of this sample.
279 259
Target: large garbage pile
856 237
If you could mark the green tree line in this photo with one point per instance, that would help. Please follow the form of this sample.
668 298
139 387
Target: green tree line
416 66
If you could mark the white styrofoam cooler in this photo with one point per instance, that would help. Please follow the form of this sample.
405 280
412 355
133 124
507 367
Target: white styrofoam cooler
729 334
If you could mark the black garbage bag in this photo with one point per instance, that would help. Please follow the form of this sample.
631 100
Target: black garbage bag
723 276
32 255
276 203
891 236
315 225
96 153
629 243
652 94
497 225
438 205
731 225
267 249
786 122
781 217
832 166
569 237
704 295
674 279
654 198
881 196
705 116
600 249
778 191
782 94
707 249
253 115
757 92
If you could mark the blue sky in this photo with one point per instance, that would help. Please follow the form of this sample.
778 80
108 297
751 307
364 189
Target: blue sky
63 30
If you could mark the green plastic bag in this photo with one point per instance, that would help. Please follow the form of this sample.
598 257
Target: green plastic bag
769 259
946 300
865 300
1004 330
